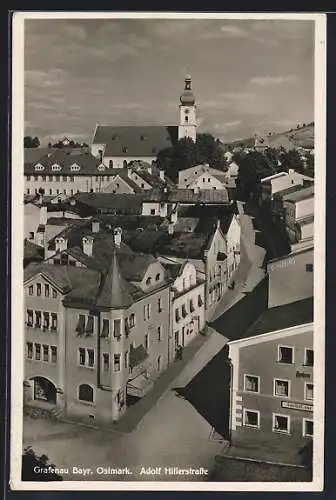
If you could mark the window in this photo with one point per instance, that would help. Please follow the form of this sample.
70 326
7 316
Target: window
191 306
159 334
281 423
90 353
309 391
251 418
132 320
54 321
54 294
29 347
111 163
82 356
148 281
81 324
310 268
160 309
177 315
142 185
53 349
89 326
85 393
200 301
152 211
38 352
251 383
307 428
157 277
50 191
37 319
105 329
117 328
46 290
38 289
148 311
31 290
309 357
281 388
126 359
30 317
45 353
285 354
146 341
116 362
184 311
106 362
28 191
46 321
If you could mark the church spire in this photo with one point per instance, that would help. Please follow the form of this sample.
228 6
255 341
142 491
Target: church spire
187 112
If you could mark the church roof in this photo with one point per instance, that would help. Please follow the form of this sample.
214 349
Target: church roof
134 140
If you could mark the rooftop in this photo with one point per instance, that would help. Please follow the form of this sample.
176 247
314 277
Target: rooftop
84 163
281 317
134 140
300 194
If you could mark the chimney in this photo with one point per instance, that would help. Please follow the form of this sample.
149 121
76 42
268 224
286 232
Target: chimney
149 170
171 227
61 244
43 215
117 234
95 226
291 171
87 242
162 175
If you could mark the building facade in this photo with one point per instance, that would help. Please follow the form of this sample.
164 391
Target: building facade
272 388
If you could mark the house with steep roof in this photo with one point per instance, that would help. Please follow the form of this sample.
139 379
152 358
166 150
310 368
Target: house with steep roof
202 177
273 184
299 213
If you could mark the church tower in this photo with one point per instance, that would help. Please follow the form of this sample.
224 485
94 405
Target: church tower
187 112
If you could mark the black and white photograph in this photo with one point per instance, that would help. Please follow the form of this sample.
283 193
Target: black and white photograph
168 248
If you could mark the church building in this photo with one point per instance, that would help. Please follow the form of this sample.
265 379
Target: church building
117 146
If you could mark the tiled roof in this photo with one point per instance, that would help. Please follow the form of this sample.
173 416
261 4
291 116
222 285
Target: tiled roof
65 159
108 203
299 194
187 196
32 252
122 173
139 222
134 140
67 278
114 292
285 316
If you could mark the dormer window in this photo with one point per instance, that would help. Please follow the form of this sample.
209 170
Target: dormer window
39 167
157 277
75 167
142 138
56 168
101 167
124 149
148 281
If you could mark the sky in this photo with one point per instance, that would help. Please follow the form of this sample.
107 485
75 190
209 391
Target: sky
249 76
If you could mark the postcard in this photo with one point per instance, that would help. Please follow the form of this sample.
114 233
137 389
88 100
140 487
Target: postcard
168 251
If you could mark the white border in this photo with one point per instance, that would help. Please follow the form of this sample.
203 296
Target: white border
304 420
17 258
289 382
254 376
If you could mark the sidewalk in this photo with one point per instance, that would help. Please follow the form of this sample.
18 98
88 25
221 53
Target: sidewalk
162 384
284 456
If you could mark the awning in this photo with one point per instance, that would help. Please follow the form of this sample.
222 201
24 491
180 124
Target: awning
139 386
89 326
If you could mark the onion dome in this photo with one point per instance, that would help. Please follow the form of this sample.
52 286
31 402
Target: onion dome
187 97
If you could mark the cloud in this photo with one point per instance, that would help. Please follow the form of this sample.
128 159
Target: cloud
226 127
269 81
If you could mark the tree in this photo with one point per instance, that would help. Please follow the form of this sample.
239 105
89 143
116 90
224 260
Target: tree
31 463
186 153
31 142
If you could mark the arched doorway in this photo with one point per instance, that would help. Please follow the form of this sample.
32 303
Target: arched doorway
44 390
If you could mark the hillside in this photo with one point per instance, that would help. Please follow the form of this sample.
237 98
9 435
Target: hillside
300 137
